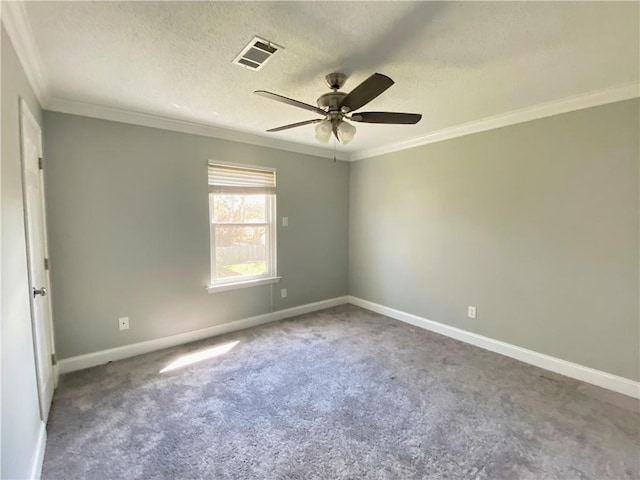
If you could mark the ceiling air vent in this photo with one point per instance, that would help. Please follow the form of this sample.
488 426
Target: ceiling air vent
256 54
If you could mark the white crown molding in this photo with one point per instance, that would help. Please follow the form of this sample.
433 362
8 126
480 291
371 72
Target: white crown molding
88 360
542 110
547 109
156 121
15 21
569 369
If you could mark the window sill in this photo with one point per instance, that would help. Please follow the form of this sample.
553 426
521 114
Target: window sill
221 287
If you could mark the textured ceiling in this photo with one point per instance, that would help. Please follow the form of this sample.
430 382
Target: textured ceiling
452 62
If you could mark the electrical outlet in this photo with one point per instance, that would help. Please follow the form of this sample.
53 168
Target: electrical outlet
283 293
285 221
123 323
471 311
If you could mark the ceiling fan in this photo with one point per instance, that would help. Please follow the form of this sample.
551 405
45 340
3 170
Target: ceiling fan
337 107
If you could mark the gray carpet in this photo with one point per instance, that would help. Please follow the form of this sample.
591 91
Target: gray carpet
342 393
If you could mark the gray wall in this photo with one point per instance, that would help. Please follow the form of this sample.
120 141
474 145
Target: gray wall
20 421
129 232
535 224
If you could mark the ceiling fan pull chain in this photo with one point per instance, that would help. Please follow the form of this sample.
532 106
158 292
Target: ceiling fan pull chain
334 149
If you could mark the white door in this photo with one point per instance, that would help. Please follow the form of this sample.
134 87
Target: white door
37 253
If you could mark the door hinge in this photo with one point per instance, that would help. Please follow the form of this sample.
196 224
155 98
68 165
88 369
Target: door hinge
40 163
54 359
46 264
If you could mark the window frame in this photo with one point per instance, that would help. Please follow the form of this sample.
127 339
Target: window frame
271 224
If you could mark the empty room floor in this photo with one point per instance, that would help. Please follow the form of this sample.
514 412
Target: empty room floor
340 393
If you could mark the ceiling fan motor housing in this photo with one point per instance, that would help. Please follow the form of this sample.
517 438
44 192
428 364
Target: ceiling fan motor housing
331 101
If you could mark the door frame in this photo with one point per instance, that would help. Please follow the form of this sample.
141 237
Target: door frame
27 116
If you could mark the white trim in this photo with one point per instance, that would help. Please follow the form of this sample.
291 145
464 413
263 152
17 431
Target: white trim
38 453
222 287
542 110
155 121
547 362
98 358
15 20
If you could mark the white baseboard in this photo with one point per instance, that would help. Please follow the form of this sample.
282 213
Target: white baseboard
38 453
547 362
81 362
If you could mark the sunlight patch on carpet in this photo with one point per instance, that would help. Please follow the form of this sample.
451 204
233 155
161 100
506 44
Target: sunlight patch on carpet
200 356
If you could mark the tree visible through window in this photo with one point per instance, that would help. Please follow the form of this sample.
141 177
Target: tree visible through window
242 212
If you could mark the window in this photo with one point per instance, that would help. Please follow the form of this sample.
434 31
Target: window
242 212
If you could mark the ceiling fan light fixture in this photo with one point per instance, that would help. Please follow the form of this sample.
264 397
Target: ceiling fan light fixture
323 131
345 132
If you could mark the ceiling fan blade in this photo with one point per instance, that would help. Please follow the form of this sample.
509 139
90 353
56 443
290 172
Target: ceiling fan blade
366 91
294 125
289 101
387 117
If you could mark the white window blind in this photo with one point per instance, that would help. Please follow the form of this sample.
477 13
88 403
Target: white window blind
232 179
